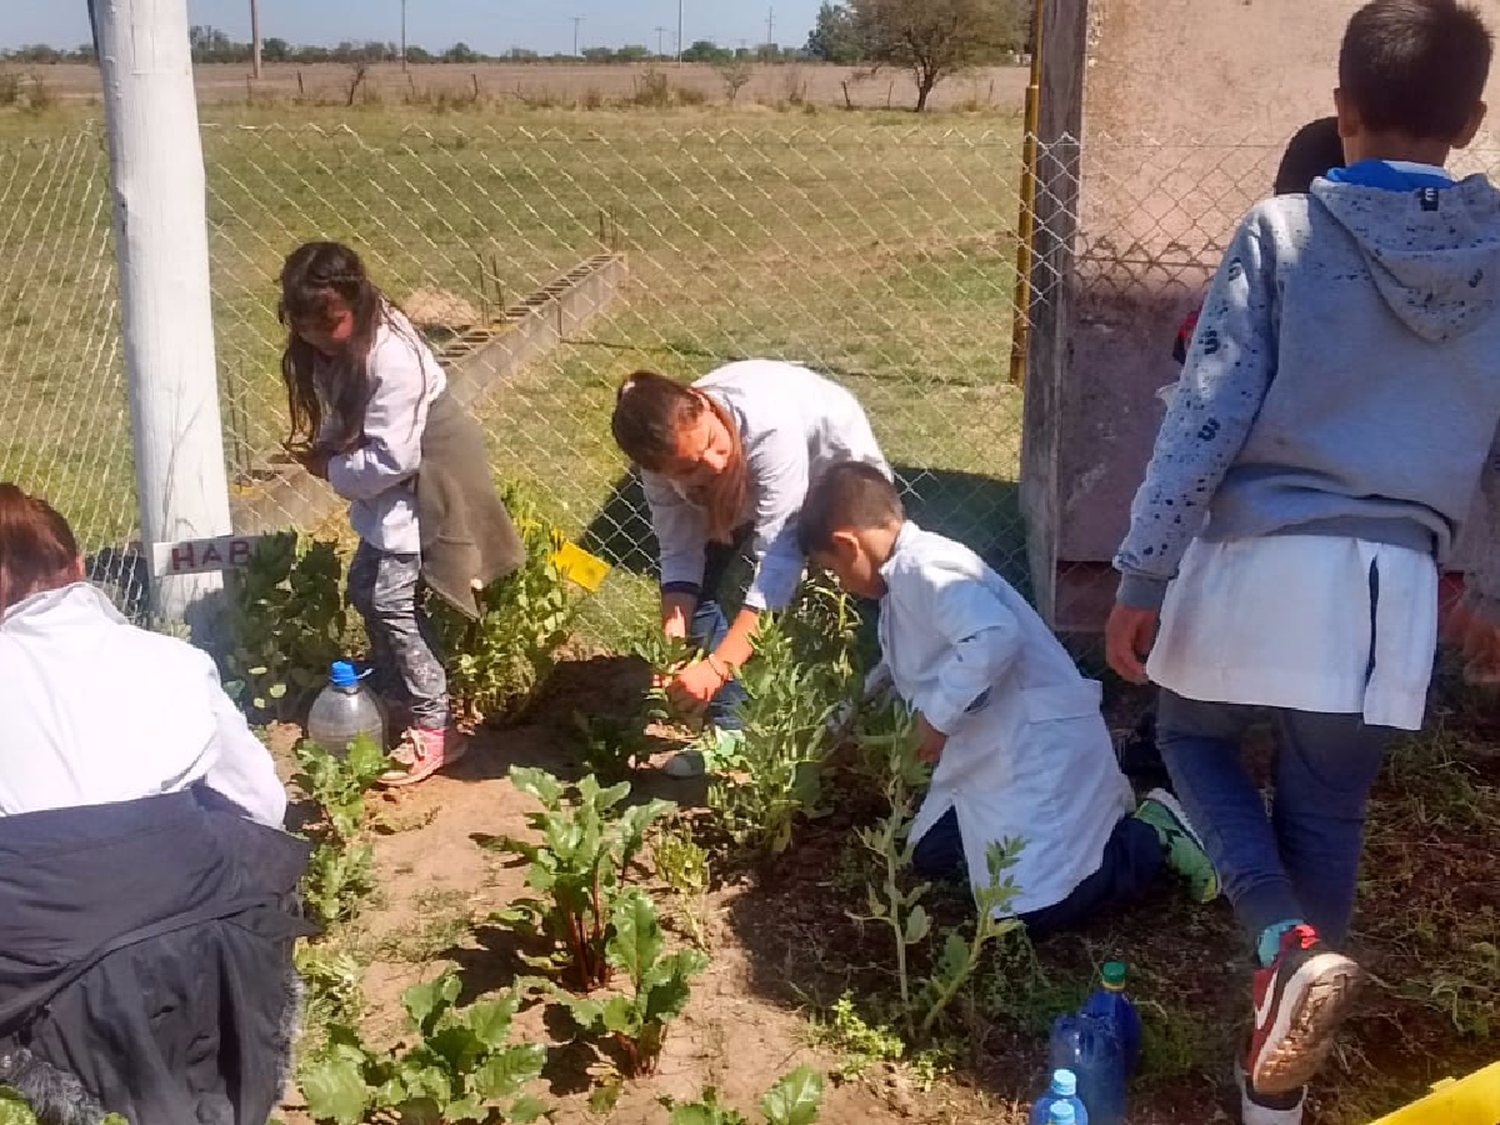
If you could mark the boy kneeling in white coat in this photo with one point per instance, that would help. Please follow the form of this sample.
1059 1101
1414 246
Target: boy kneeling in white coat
1014 731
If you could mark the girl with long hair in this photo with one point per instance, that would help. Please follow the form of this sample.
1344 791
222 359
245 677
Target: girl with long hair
370 414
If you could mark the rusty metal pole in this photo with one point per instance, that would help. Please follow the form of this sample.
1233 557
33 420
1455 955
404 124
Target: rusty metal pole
1026 226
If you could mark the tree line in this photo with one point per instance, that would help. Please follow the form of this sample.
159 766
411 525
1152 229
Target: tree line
933 39
211 45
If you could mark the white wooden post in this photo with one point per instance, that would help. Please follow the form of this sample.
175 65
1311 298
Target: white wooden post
161 245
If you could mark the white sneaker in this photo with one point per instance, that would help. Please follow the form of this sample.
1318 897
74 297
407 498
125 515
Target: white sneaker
685 766
1262 1109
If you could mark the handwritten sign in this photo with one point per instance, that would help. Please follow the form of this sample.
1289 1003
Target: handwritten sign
198 556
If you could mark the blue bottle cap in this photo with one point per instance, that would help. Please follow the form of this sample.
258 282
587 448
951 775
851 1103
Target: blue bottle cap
1065 1084
1061 1113
342 674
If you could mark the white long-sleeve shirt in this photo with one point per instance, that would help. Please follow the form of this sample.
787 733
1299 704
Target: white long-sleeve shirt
793 425
1028 755
95 711
376 476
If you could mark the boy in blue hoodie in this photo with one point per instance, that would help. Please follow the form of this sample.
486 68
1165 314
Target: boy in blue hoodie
1338 408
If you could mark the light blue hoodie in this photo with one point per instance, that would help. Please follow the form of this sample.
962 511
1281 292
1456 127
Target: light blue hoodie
1344 379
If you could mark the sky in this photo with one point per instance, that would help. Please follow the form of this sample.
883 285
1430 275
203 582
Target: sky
492 26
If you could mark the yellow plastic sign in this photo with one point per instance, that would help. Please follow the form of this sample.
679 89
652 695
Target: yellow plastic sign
580 567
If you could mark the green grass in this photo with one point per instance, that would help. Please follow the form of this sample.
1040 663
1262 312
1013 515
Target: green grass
878 247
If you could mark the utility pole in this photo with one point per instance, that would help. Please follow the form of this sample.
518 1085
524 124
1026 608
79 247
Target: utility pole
660 31
255 39
771 28
166 317
679 32
403 36
577 22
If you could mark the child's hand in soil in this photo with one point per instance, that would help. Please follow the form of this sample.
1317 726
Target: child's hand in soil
695 685
930 741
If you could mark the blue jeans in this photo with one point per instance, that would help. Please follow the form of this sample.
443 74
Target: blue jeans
1302 859
710 625
1132 860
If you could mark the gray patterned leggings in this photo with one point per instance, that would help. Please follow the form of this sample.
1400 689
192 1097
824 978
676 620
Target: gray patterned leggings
403 648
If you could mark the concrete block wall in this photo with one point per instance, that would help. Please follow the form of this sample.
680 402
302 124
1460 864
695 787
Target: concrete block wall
1161 122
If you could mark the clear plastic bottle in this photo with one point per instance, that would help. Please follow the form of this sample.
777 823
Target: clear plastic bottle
1110 1003
1064 1089
344 710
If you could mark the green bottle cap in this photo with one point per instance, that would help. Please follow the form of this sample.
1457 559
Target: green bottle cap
1114 976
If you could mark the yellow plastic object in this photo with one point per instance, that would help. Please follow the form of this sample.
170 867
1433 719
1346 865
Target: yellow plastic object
1474 1100
580 567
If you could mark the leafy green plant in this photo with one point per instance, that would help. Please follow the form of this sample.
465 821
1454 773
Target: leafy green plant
774 773
611 749
338 783
332 977
461 1065
795 1099
682 864
15 1110
665 656
638 1021
289 624
860 1044
496 663
340 872
588 843
896 903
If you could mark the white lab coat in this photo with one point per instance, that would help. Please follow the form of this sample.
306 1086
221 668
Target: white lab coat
793 425
95 711
1028 755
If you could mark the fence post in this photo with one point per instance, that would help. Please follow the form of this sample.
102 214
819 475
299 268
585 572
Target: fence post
161 245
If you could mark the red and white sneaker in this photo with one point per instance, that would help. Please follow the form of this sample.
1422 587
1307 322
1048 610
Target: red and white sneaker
421 754
1300 1001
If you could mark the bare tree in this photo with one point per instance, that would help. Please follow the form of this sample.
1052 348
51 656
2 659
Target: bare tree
359 70
937 38
735 75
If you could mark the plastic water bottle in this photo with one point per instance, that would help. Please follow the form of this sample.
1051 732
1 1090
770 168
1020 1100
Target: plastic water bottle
1062 1092
343 711
1110 1004
1091 1049
1062 1113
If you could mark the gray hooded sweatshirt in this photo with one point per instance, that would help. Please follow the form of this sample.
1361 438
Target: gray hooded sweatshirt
1344 380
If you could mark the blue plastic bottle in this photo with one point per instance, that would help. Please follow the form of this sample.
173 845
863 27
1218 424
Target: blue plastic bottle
1063 1091
1110 1003
1062 1113
1091 1048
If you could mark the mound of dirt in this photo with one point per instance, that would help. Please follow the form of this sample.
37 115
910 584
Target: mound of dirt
437 308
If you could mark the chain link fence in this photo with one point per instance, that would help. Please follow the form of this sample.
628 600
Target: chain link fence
546 261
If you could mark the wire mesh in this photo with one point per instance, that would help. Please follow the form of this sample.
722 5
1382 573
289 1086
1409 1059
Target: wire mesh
549 260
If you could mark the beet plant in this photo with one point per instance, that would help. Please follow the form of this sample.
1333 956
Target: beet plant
588 841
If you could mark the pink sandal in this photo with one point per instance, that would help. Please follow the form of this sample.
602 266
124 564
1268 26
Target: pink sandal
423 753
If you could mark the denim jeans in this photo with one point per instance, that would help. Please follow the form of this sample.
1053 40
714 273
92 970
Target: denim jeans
1302 859
710 625
1132 860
